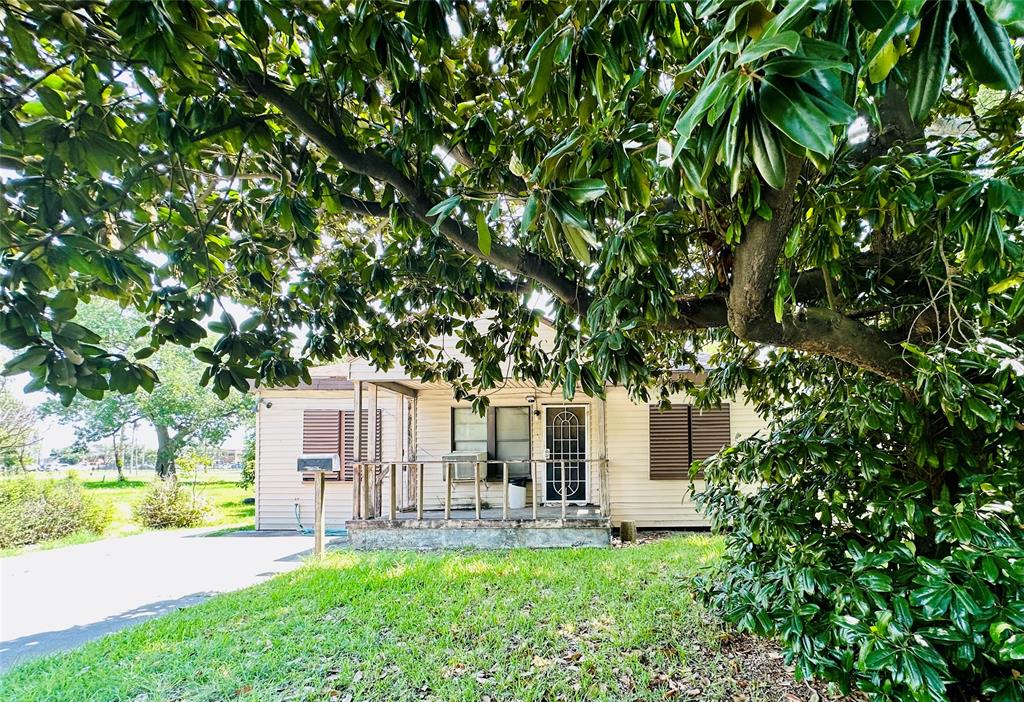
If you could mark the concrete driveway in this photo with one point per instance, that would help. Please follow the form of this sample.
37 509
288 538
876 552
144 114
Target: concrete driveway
56 600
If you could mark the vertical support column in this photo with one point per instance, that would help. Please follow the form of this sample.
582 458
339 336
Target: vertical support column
533 482
476 487
357 450
504 487
419 491
372 438
394 490
448 490
320 513
399 446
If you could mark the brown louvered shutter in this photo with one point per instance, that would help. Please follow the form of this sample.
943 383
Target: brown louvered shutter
670 443
710 431
349 439
321 433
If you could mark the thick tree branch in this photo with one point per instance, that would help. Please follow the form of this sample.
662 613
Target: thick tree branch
751 312
898 127
377 168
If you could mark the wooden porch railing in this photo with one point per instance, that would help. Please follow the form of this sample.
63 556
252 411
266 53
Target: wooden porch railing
369 475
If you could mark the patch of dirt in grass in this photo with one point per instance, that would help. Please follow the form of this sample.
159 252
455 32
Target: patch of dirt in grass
753 669
643 537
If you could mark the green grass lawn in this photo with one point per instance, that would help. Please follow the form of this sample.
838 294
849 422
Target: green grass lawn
608 624
220 488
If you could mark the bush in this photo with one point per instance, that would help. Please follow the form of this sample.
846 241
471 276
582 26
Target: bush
166 505
878 530
34 510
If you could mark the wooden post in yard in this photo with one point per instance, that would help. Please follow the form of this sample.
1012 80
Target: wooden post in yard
627 531
319 512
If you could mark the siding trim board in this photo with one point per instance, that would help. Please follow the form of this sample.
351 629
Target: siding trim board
683 434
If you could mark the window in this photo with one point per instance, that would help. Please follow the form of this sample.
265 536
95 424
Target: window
503 434
683 434
469 431
511 440
331 431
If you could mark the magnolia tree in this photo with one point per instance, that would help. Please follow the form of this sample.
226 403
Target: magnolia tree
827 193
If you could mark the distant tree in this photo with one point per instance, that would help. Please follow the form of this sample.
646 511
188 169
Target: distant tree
69 455
17 428
178 408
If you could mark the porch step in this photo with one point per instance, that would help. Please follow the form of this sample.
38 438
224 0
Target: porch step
433 534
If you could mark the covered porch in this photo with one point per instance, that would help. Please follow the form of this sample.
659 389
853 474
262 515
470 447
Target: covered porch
426 494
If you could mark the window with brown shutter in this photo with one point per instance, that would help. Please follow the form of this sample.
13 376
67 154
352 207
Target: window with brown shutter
709 431
670 442
331 431
683 434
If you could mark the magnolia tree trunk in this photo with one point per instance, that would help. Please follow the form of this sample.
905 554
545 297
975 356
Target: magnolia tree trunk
164 453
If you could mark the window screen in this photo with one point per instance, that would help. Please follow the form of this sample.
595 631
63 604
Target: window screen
469 430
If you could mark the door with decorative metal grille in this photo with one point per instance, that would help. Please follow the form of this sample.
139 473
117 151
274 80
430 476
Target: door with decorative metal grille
565 431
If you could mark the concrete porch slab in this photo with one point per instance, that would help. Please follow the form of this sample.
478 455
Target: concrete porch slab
433 534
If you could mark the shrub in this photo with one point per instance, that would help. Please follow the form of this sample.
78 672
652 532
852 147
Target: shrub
34 510
166 505
878 530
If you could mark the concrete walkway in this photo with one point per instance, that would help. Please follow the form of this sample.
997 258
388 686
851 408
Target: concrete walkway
56 600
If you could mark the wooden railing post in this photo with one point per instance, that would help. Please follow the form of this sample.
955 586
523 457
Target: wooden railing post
356 511
476 487
504 487
564 495
369 478
419 491
533 481
394 491
448 491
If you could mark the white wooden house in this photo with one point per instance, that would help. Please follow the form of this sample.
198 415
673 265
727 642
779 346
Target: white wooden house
431 472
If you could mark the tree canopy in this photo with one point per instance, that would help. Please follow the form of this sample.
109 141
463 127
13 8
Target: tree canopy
827 193
179 409
373 174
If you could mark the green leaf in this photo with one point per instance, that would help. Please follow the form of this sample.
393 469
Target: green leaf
899 24
785 104
930 59
1005 11
585 190
985 48
541 78
443 209
1006 283
785 41
577 244
26 360
483 233
52 101
529 213
767 152
698 106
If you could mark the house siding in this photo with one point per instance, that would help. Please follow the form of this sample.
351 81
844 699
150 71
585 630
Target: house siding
279 485
634 496
618 429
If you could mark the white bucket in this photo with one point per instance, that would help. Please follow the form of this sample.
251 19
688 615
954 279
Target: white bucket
516 497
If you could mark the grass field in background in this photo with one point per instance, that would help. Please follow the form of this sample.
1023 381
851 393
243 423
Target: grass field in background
593 624
220 488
